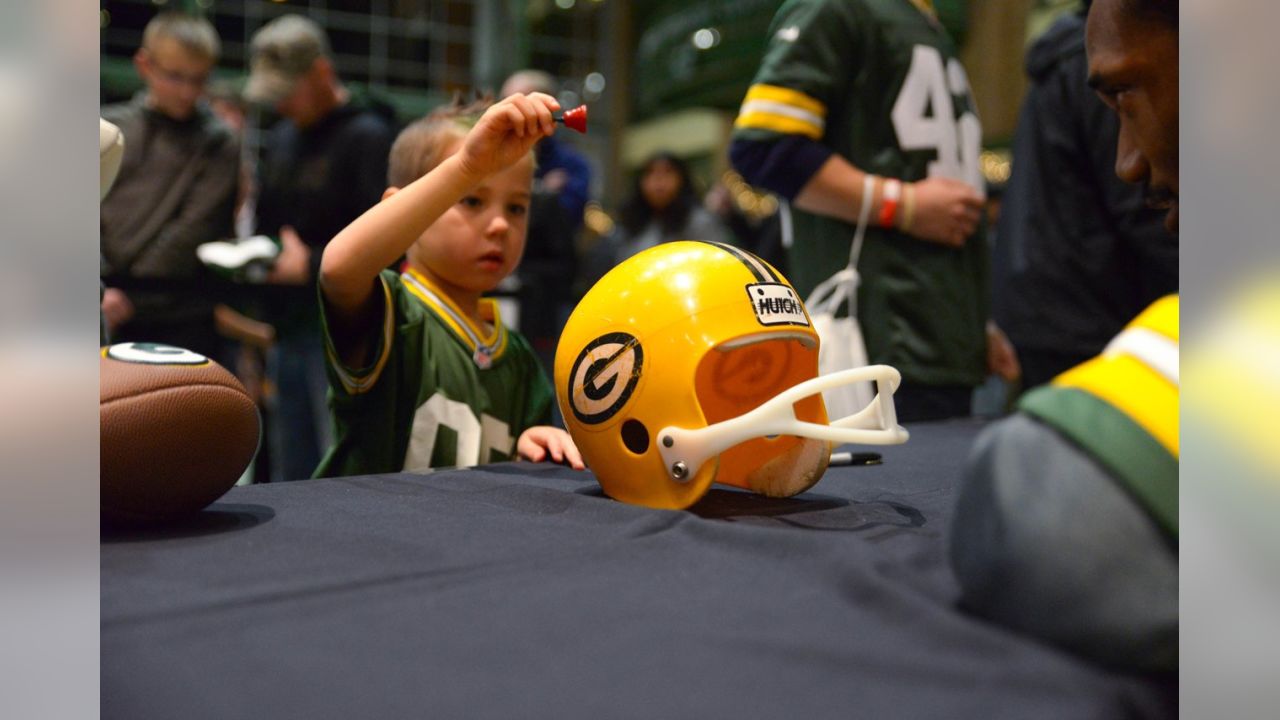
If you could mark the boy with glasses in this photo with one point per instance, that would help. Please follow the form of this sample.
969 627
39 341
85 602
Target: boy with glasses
176 190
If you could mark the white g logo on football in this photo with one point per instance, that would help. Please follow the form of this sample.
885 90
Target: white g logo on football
147 353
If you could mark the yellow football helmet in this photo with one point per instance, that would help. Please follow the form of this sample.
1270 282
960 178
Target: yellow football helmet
694 362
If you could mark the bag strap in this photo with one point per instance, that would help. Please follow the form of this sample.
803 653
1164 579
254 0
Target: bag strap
864 214
840 288
831 293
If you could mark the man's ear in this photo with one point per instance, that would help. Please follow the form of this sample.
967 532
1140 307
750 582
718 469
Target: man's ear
389 192
140 63
322 69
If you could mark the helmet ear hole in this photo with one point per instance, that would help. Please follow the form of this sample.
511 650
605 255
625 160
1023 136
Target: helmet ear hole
635 436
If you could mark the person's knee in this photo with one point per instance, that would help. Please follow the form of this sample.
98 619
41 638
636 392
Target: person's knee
1045 542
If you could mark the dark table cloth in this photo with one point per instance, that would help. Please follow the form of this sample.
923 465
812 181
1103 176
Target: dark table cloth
519 590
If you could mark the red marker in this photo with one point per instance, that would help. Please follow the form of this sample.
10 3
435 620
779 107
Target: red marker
575 119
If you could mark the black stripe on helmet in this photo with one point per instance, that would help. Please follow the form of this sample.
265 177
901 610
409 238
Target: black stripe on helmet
759 268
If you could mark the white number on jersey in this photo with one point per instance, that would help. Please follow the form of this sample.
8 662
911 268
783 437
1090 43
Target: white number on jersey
476 437
924 117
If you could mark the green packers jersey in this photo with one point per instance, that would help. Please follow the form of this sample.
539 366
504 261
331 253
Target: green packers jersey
878 82
439 391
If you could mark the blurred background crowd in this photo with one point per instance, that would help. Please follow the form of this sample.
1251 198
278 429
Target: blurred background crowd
664 82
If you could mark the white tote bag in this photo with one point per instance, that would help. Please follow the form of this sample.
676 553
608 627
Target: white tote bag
842 347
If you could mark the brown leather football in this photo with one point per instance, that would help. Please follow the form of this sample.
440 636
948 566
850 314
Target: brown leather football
177 431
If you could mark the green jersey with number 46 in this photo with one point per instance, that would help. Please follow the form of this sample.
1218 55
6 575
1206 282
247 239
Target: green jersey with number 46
878 82
439 391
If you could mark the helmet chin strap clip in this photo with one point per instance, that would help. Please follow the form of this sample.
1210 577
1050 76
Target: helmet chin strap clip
684 451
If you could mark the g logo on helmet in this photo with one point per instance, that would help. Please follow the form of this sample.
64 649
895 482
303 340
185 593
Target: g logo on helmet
604 376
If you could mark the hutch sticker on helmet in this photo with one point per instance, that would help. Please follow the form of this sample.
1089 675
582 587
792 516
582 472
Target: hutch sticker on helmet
776 304
603 377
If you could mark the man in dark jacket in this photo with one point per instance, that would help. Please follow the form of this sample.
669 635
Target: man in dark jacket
323 165
1078 254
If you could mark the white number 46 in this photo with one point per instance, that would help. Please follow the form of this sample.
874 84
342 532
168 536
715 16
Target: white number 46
924 117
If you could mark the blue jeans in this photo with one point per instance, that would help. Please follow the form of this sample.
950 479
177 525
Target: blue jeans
298 416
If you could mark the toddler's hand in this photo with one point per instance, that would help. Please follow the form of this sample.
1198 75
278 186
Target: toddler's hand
506 132
538 442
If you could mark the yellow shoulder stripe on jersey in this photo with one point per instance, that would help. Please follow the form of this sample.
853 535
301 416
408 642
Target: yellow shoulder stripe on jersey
786 96
1133 388
782 110
1138 373
493 343
1160 316
356 384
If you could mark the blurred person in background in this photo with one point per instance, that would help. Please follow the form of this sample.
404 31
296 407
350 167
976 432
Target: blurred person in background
229 105
851 91
323 165
561 187
1066 521
252 339
1078 254
756 227
663 206
562 170
176 190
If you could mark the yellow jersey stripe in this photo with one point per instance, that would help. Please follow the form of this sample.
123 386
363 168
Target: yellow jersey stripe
778 123
1161 316
494 343
786 97
1155 350
1138 391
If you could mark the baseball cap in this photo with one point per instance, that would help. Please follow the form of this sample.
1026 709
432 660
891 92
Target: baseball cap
282 51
